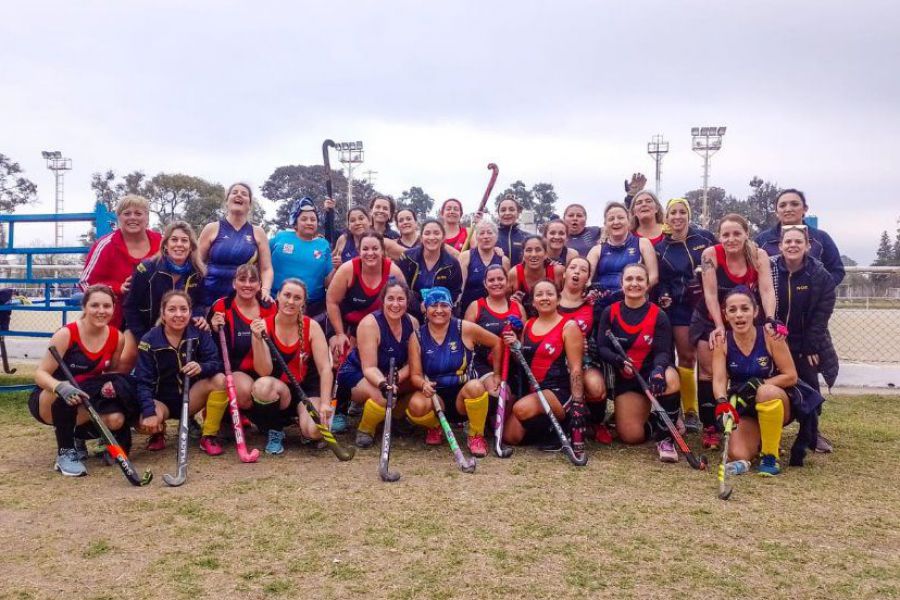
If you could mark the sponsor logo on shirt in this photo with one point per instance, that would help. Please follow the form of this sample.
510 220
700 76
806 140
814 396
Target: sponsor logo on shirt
288 249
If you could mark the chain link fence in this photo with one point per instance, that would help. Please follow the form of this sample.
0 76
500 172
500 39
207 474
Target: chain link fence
865 326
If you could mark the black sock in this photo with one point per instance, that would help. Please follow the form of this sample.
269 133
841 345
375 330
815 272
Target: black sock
63 423
266 416
671 403
707 402
87 431
597 411
123 436
536 428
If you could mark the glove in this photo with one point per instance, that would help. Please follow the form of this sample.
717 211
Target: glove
515 323
657 381
69 393
777 326
725 411
747 391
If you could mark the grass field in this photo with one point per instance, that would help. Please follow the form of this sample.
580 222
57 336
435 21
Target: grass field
306 526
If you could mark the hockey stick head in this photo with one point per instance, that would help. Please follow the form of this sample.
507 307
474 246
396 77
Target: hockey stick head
249 457
574 458
469 467
502 451
697 463
725 492
388 476
174 481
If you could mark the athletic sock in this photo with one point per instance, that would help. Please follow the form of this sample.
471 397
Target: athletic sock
688 389
266 415
536 428
707 402
671 404
216 403
123 436
64 417
597 411
428 420
373 414
771 421
477 410
87 431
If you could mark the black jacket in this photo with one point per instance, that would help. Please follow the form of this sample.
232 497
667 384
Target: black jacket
804 301
149 282
821 247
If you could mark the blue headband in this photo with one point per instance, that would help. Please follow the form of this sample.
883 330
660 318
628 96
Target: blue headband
302 204
435 295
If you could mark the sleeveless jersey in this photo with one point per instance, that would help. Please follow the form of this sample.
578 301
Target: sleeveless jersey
522 285
361 300
350 251
448 363
637 340
296 355
653 240
547 355
400 241
613 260
238 337
458 240
83 363
388 347
726 280
741 367
493 322
583 315
473 287
229 250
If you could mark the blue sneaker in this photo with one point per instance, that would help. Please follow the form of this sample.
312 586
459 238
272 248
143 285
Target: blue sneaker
81 450
275 444
768 466
68 464
339 423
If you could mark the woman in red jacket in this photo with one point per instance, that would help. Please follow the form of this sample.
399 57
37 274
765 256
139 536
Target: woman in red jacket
113 257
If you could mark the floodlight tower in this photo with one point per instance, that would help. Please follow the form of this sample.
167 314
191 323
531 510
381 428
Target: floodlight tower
706 141
658 148
59 165
350 154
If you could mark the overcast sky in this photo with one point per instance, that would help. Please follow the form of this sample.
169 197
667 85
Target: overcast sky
564 92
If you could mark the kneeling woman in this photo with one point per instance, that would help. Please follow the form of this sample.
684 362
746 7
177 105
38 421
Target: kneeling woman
162 365
554 347
440 357
92 349
758 370
297 338
383 335
644 332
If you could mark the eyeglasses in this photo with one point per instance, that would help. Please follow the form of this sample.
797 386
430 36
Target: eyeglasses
793 227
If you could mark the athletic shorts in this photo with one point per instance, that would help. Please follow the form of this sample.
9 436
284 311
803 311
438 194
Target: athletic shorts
624 384
680 314
124 402
448 394
311 386
700 327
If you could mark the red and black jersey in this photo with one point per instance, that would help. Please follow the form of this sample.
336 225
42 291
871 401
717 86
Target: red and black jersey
583 315
361 300
238 336
726 280
458 240
547 355
494 322
522 285
637 340
83 363
295 355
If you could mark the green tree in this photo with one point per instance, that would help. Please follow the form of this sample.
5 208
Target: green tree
758 207
418 201
884 256
761 203
544 202
15 190
847 261
522 194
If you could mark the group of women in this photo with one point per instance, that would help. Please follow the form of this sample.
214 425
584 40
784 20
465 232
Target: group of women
715 327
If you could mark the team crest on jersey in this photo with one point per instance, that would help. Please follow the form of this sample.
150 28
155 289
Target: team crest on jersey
763 361
631 251
648 339
453 346
317 254
550 348
248 238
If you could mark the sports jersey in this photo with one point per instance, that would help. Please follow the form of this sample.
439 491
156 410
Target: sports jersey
361 300
230 249
83 363
522 285
350 251
612 261
473 288
493 322
511 239
727 281
653 240
546 354
295 355
743 367
447 363
238 337
307 260
643 332
584 241
458 240
388 347
583 315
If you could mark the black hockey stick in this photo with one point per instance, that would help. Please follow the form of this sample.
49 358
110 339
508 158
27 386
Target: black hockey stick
340 451
181 460
112 445
383 471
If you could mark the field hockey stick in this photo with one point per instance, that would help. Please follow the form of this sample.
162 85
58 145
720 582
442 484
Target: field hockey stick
695 462
181 475
500 418
239 443
484 200
383 471
578 461
725 488
466 466
329 184
341 452
334 388
5 357
112 445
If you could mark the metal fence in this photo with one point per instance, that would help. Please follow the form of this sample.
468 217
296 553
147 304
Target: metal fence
865 326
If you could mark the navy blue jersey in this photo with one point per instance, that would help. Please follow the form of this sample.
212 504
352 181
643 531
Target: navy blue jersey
388 347
743 367
473 288
229 250
584 241
448 363
613 260
511 240
350 250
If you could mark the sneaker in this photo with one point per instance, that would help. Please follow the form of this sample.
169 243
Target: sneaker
692 422
550 444
156 442
339 423
195 432
768 466
434 437
355 410
363 439
81 450
711 438
602 434
666 450
275 445
68 464
477 445
822 446
211 445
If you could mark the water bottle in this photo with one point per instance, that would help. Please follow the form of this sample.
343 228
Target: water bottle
736 467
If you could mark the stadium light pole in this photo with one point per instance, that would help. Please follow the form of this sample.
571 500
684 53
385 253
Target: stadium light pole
350 154
658 148
59 165
706 141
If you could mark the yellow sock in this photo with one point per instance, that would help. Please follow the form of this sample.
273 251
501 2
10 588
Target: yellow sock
216 403
688 390
771 421
373 414
429 421
477 410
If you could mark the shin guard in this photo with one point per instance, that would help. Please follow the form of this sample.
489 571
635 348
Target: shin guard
477 410
372 416
671 403
216 403
688 389
64 417
428 420
597 411
707 402
266 415
771 421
